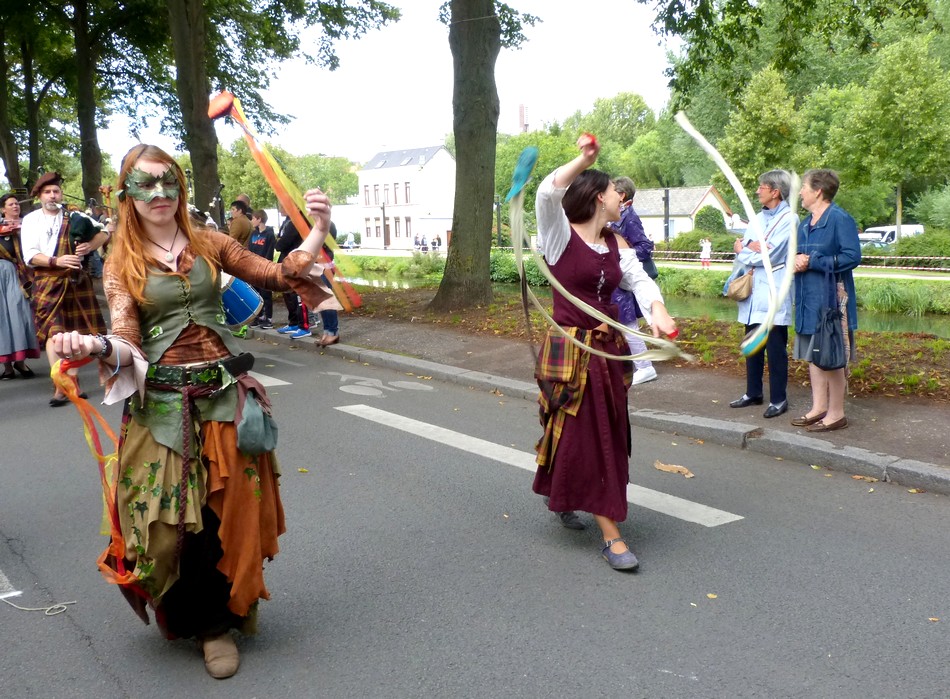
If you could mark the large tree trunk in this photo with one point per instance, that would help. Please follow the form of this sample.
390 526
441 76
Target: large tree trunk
475 40
187 21
8 149
32 102
90 156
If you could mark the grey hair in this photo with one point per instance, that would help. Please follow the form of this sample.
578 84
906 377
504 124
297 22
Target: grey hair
625 186
778 179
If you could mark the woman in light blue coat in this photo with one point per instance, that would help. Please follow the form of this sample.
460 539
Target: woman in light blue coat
778 223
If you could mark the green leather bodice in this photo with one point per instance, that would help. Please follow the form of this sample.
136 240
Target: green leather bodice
172 304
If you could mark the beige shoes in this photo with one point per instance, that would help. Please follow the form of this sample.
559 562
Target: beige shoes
221 656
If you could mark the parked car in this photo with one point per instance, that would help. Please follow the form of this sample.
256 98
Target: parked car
888 234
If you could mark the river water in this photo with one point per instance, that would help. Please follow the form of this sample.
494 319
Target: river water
725 309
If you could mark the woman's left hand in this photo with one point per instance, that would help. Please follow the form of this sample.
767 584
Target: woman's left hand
663 323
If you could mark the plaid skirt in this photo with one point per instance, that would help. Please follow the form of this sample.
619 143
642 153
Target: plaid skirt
62 305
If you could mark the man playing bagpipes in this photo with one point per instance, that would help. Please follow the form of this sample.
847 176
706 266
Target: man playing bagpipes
54 244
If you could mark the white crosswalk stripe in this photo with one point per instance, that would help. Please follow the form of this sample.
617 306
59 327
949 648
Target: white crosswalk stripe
268 380
637 495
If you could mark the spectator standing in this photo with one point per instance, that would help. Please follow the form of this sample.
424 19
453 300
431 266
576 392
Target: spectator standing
777 223
705 252
63 294
329 318
289 240
262 242
828 249
630 229
240 226
17 333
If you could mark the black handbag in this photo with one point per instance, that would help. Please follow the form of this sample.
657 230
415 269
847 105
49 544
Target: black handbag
827 351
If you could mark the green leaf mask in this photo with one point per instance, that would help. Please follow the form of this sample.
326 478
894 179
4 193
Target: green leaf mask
146 187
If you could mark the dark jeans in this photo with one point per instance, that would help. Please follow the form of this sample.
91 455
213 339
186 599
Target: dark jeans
776 347
293 308
268 297
331 322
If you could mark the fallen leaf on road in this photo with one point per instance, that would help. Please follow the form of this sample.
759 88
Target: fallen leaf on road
505 516
712 596
693 604
870 490
817 468
934 618
673 443
828 475
673 468
869 479
303 470
270 366
916 490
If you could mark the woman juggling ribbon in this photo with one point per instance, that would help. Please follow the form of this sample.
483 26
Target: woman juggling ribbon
197 500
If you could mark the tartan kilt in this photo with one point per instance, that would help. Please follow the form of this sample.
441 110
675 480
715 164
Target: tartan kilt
64 306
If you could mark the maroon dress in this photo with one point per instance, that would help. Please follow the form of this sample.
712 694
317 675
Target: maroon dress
589 467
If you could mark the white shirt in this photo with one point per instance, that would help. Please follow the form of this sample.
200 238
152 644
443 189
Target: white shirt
39 234
554 233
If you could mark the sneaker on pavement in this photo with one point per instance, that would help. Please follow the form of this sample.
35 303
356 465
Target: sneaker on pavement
287 329
643 375
266 324
301 333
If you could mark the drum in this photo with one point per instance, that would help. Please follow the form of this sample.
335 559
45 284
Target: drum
241 302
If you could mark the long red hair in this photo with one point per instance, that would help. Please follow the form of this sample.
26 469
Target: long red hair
128 256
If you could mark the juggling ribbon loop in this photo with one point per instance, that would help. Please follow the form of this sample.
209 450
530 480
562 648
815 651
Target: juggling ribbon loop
755 340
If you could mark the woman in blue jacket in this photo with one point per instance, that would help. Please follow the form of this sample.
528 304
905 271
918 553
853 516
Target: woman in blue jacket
828 249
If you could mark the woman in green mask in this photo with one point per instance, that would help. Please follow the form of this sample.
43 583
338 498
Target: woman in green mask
197 499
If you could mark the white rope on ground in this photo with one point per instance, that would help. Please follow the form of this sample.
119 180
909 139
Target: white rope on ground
52 610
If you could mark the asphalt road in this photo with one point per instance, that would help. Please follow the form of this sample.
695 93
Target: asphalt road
419 564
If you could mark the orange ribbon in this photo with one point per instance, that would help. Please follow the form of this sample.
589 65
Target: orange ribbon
288 194
112 561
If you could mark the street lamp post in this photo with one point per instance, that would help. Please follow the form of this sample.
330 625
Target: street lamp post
498 215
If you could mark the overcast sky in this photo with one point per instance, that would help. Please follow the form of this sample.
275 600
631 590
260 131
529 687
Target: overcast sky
393 89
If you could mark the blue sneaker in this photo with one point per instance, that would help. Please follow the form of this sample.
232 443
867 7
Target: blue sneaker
287 329
301 333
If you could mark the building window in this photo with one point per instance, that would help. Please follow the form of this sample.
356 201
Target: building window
408 227
366 194
377 227
376 194
395 192
386 193
408 199
396 225
367 228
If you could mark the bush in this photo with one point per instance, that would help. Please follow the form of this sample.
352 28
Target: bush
504 269
908 296
710 219
934 243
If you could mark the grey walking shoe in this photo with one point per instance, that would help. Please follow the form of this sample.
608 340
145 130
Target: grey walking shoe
620 561
571 520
